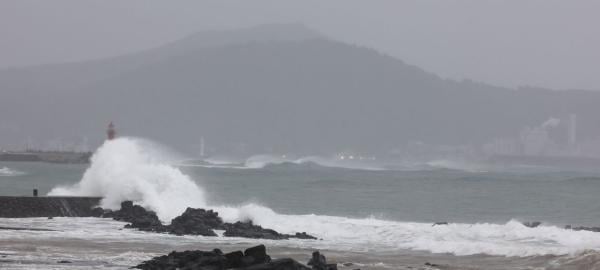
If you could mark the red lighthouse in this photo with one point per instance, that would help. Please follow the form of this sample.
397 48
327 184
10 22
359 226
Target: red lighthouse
111 132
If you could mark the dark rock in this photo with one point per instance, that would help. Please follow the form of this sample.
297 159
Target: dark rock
258 253
254 258
50 217
319 262
248 260
279 264
303 235
186 260
249 230
126 205
64 261
234 259
431 264
583 228
532 224
138 216
439 223
196 222
192 222
99 212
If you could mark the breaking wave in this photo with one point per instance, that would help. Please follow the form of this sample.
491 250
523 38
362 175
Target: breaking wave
5 171
272 162
264 161
282 162
137 170
509 239
460 165
131 169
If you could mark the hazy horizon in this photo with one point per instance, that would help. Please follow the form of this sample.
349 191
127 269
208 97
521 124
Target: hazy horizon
418 77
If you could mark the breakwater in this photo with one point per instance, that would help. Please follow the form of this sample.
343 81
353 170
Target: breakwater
23 207
47 156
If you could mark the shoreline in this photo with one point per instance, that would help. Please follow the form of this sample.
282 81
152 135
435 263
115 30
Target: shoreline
112 247
93 237
113 257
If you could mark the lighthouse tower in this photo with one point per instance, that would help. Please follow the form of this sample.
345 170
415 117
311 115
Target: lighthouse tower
111 132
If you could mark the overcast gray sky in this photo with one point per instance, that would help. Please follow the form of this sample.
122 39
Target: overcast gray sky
547 43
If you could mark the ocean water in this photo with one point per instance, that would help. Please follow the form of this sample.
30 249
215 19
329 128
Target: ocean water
369 216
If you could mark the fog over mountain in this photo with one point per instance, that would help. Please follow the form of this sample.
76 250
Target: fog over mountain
272 88
546 43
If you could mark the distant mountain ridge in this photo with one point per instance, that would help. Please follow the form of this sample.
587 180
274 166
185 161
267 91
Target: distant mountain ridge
281 88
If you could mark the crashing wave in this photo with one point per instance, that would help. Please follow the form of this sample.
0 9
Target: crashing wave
136 170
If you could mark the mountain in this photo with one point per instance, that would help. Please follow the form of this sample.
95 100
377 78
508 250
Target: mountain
281 88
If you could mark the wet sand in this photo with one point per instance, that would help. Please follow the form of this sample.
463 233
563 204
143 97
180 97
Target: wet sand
98 254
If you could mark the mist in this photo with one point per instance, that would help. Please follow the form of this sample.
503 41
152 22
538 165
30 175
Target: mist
388 134
551 44
418 79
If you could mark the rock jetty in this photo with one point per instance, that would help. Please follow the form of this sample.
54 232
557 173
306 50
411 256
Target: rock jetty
193 221
27 207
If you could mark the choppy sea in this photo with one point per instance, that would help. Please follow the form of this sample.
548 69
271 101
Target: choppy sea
367 218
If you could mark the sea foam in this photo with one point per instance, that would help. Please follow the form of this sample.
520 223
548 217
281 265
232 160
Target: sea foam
5 171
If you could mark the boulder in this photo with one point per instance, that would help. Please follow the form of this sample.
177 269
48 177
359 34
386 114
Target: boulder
186 260
303 235
249 230
98 212
234 259
137 216
258 254
279 264
196 222
319 262
532 224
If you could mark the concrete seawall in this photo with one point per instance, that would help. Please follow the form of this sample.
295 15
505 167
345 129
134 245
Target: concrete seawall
22 207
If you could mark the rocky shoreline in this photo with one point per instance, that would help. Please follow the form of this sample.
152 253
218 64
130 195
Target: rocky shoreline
254 258
194 221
